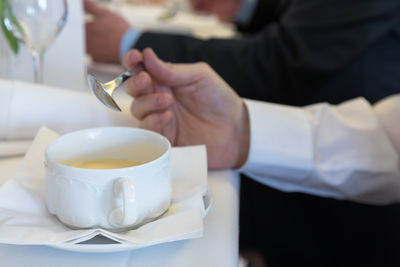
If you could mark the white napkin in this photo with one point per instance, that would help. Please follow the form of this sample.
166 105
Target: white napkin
14 148
24 218
24 107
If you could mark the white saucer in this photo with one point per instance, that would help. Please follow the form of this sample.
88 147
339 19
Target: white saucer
101 244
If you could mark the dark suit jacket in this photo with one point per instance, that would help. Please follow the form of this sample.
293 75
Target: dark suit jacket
315 50
308 51
266 12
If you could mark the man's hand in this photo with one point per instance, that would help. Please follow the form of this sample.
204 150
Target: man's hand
190 104
225 9
104 33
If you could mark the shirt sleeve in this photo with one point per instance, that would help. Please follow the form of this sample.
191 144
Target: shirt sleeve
343 151
245 12
128 41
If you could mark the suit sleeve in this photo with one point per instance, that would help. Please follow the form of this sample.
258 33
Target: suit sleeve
315 43
266 12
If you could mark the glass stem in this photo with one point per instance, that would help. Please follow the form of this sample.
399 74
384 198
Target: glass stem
38 67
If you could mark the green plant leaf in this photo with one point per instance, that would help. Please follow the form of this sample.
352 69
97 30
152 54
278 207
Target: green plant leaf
12 40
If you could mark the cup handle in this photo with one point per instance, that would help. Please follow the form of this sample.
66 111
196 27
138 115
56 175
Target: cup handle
128 213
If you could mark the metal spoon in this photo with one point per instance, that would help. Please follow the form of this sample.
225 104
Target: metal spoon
104 91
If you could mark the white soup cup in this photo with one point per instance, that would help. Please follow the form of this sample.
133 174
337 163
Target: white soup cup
114 199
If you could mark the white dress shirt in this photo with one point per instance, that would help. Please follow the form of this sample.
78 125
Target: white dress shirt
349 151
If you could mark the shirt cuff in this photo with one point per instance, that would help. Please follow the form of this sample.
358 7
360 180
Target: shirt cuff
128 41
280 141
246 12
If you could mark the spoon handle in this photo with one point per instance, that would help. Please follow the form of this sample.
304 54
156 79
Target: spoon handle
129 73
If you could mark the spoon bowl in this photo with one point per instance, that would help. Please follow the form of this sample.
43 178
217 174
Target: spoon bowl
104 91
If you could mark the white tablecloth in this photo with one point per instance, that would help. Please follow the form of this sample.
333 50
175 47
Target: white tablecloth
218 246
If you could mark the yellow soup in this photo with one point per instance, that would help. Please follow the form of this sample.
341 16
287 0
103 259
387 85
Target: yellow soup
106 164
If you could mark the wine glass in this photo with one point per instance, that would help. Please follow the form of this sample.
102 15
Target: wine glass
35 23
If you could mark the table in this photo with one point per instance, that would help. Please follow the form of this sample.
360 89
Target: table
218 247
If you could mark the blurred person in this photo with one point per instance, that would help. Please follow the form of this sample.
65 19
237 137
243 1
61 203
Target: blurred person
302 52
348 151
248 15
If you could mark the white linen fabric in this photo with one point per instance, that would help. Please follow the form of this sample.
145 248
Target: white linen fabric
25 107
14 148
348 151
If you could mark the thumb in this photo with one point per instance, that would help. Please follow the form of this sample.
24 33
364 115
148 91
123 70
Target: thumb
168 73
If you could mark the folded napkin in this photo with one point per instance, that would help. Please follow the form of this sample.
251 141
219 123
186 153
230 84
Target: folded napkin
24 218
24 107
14 148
